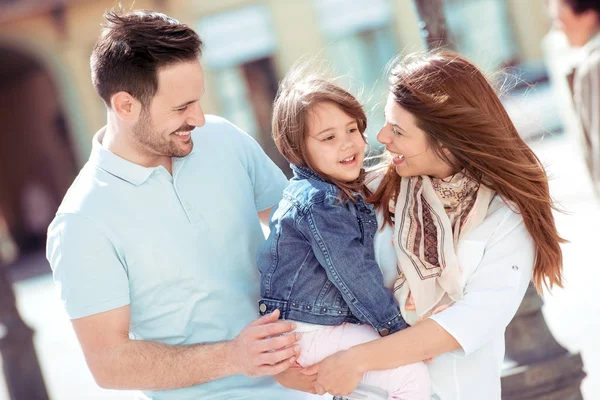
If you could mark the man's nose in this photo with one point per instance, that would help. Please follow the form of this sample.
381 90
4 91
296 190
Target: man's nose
197 117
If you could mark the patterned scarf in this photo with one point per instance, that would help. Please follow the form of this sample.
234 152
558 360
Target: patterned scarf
431 216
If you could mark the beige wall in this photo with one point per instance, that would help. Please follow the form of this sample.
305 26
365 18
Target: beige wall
295 24
407 28
530 24
298 32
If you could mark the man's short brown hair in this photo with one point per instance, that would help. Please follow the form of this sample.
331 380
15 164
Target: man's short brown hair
132 48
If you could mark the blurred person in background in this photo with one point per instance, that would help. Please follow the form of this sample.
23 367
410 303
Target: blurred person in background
580 22
153 247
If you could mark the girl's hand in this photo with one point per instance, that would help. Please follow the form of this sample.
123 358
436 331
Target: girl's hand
338 374
295 378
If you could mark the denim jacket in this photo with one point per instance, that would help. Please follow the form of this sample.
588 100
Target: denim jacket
318 264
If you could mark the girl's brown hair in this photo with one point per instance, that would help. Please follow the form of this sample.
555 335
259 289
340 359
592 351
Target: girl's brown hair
454 103
297 94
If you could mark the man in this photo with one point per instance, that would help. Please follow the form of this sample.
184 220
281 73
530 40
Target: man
153 247
580 21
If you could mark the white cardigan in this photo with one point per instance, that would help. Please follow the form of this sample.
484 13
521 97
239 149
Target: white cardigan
497 260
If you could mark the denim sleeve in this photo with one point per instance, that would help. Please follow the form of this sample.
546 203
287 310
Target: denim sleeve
336 242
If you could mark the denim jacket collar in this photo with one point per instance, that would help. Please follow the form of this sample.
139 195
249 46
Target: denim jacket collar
305 173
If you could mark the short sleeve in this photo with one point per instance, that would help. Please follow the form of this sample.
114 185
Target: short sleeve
267 179
86 267
493 293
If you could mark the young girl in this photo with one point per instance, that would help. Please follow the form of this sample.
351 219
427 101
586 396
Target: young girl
318 264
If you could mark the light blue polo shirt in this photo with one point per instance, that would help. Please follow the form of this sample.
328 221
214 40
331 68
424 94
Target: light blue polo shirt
180 249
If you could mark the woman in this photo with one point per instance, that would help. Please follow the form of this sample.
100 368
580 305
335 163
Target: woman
464 203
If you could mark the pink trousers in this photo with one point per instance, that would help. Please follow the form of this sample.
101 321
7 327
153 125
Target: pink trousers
409 382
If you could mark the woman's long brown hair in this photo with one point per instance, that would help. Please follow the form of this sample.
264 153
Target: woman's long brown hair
454 103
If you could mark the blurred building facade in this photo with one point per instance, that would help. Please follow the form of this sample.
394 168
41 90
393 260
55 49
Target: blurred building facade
49 109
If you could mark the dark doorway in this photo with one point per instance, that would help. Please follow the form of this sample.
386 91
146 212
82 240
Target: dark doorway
37 163
261 80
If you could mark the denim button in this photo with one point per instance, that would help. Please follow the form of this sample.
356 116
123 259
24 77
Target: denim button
389 323
308 307
339 312
293 304
324 309
262 307
384 332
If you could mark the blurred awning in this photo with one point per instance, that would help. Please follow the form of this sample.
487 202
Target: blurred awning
11 10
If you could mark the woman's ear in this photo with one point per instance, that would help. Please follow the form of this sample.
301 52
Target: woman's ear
444 149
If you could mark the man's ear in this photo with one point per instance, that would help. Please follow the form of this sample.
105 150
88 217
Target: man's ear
125 106
590 18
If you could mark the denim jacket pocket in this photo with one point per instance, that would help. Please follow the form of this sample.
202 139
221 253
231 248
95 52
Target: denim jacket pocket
330 297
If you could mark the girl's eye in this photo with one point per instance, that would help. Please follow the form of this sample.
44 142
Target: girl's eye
353 130
328 138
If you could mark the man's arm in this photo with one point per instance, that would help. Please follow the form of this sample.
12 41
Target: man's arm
117 362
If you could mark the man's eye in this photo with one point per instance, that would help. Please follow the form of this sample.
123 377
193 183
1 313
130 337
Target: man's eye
181 109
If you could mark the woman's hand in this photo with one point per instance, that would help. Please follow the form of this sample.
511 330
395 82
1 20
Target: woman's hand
338 374
295 378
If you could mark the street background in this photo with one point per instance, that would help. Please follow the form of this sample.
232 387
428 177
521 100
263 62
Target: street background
49 112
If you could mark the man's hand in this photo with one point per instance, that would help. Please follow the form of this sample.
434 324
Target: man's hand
296 378
265 347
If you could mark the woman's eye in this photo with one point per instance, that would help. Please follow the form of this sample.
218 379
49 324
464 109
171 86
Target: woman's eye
353 130
396 132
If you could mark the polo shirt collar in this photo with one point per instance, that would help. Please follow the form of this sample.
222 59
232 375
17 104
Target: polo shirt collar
117 166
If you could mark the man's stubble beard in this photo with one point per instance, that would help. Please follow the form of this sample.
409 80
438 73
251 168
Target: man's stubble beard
150 142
